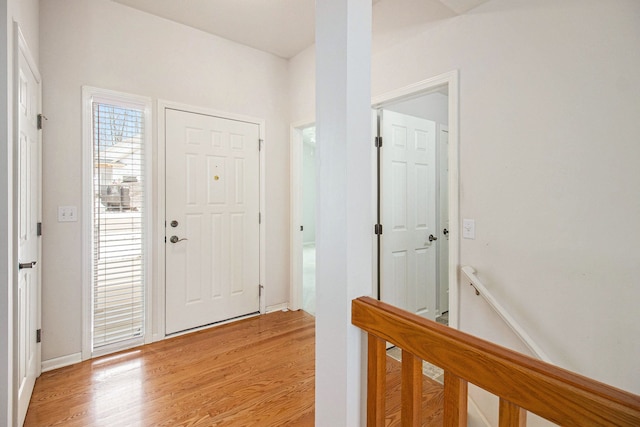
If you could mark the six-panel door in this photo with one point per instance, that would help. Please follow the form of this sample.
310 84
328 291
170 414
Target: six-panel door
212 219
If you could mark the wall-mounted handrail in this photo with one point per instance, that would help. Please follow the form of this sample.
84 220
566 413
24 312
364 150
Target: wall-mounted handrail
482 290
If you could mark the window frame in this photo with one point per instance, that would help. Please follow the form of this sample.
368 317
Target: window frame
89 96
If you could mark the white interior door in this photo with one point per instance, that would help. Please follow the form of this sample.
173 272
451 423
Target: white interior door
443 236
29 189
408 213
212 219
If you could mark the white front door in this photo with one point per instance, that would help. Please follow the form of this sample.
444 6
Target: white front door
212 219
408 213
28 213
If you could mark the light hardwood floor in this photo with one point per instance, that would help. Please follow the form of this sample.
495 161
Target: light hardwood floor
254 372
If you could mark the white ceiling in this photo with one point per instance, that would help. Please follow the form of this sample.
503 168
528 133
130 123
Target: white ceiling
281 27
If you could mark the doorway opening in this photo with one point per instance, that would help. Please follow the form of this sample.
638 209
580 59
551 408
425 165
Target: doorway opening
27 221
417 215
211 193
303 217
309 220
413 204
432 104
213 219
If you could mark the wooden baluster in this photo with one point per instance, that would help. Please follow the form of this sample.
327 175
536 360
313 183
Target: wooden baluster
455 401
411 390
511 415
376 381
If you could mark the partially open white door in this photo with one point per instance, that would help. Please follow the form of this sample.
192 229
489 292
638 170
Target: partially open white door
408 213
28 217
212 219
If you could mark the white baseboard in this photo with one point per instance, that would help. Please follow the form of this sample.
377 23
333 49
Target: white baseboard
277 307
60 362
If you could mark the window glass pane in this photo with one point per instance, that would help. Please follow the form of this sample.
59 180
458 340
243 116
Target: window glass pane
118 223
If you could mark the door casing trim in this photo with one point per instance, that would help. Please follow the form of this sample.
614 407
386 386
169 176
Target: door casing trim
158 332
451 79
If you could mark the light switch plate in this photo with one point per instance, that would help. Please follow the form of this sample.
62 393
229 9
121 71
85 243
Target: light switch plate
67 213
469 228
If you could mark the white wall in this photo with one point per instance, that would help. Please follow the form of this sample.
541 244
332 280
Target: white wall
104 44
302 88
25 13
548 167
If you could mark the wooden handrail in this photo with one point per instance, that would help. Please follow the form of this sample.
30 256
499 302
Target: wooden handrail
521 382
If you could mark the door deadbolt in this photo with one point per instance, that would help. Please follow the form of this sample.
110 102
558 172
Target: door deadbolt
445 232
432 238
175 239
174 223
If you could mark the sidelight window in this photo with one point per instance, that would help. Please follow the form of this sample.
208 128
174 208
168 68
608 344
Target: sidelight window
119 208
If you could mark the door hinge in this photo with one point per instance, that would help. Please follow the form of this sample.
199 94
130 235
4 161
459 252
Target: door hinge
165 239
260 142
39 229
377 229
259 217
40 117
260 288
302 228
378 141
38 335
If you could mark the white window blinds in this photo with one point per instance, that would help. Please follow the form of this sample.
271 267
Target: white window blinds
118 291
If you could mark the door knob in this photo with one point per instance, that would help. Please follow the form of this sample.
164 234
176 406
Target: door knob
175 239
432 238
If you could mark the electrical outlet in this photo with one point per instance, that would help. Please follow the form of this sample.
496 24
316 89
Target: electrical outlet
469 228
67 214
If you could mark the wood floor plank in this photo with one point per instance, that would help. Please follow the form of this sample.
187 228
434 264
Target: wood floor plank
255 369
255 372
432 398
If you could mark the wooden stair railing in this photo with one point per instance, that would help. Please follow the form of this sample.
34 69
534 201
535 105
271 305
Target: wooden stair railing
521 382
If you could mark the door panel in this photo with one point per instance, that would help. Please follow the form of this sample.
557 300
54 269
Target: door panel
408 213
28 291
212 191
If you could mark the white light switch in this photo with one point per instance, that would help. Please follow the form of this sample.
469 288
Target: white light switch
67 213
469 228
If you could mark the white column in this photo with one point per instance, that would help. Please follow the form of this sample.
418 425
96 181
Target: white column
344 234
